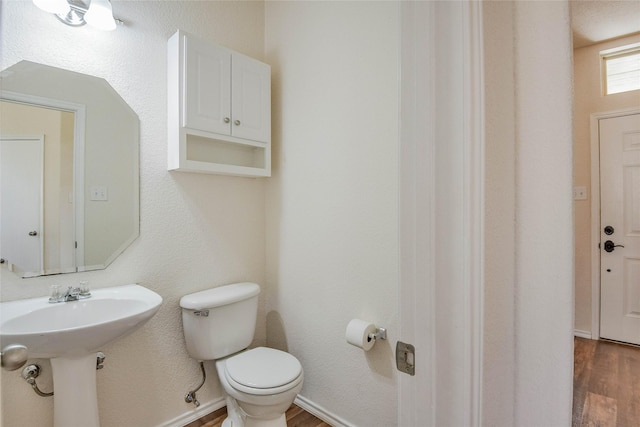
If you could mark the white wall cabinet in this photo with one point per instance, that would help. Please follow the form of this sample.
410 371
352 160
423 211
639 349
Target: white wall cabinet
219 109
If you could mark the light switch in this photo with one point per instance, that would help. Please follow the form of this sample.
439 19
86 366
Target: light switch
99 193
579 193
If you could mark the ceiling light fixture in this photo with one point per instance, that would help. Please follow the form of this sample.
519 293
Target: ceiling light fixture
96 13
52 6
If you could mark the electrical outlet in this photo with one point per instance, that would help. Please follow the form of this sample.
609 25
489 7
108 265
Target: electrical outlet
99 193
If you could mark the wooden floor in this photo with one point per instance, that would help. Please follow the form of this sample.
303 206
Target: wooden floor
606 384
606 389
296 417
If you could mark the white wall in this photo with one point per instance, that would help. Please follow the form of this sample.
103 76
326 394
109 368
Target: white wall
196 230
528 345
589 99
332 201
331 244
544 215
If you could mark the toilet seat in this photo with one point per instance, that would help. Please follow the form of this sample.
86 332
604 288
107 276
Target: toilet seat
263 371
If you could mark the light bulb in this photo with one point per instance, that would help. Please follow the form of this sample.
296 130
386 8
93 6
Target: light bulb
100 15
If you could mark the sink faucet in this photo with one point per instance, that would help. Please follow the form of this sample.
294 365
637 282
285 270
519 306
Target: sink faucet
72 294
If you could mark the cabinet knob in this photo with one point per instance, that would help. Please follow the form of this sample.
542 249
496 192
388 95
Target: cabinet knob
237 122
227 119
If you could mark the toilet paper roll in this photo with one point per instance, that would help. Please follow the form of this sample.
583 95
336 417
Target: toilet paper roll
358 332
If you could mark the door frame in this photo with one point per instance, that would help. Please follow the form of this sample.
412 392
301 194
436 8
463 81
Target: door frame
595 211
79 111
435 180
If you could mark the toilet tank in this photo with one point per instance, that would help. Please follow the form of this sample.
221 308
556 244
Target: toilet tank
220 321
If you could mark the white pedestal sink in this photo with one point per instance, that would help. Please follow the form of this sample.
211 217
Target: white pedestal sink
70 334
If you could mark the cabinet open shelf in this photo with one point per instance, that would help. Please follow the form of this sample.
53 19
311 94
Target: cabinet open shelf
206 155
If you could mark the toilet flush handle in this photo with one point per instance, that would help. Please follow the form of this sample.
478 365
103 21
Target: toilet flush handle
202 313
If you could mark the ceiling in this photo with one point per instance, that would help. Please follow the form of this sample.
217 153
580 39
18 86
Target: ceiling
593 21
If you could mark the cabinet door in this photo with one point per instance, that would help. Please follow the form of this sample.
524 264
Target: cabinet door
207 94
251 99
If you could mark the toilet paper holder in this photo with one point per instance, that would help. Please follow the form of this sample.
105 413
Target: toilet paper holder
380 334
364 334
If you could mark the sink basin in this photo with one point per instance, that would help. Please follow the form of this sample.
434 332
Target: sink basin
76 327
70 334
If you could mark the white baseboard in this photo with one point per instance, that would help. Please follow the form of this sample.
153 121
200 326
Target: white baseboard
321 412
194 414
301 401
582 334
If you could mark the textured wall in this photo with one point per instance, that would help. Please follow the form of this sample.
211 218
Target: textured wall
331 206
589 99
332 202
196 230
543 214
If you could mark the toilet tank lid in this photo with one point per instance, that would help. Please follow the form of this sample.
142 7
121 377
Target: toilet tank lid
222 295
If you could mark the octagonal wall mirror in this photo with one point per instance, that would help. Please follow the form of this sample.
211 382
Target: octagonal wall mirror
69 173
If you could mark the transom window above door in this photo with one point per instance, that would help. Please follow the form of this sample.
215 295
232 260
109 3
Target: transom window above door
621 69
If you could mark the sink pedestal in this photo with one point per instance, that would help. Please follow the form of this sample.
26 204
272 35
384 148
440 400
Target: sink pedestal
70 334
75 402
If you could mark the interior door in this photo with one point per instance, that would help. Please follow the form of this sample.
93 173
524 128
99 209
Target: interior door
620 228
21 161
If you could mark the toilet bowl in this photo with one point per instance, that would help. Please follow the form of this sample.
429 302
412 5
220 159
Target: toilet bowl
264 382
260 383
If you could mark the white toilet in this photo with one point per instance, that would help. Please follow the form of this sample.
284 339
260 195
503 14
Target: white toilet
260 383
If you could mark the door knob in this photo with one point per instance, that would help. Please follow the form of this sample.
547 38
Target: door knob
33 233
609 246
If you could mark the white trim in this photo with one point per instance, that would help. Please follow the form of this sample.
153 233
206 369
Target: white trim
195 414
209 407
474 179
41 212
416 314
441 186
582 334
595 212
78 182
619 49
321 412
79 111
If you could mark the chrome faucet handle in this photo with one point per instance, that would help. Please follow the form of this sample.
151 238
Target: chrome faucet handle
71 294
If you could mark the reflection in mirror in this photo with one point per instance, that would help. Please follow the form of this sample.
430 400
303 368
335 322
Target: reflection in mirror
36 188
68 171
